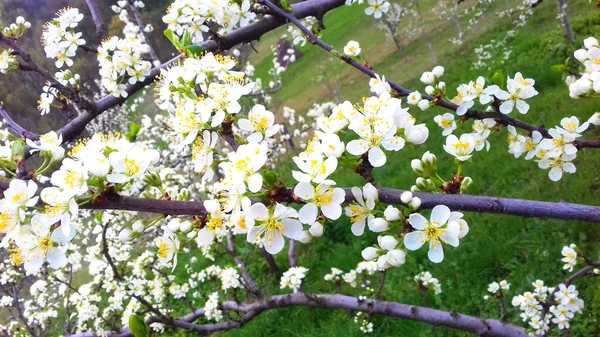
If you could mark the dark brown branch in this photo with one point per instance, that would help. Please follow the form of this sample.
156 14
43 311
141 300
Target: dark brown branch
292 253
101 29
140 24
16 128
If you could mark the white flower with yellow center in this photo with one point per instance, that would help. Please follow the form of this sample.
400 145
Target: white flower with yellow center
20 194
238 219
519 89
376 130
215 225
314 167
40 244
462 148
352 48
558 165
324 197
260 123
72 177
49 143
203 155
435 231
570 257
244 164
571 125
446 122
271 226
561 142
377 8
167 245
360 211
128 165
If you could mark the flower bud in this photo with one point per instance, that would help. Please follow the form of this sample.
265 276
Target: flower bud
378 225
428 77
465 183
184 194
429 90
304 237
417 134
316 229
417 166
396 257
185 226
429 158
369 253
415 203
595 119
442 85
414 188
138 226
423 104
173 225
438 71
391 213
406 197
387 242
126 235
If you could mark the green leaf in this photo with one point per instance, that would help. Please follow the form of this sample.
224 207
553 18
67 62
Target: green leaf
18 150
193 50
173 38
186 40
285 5
559 68
134 130
138 327
269 178
499 79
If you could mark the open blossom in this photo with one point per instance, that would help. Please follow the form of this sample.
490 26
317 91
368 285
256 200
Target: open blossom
20 194
270 226
377 8
323 196
442 228
558 165
203 155
49 143
462 148
352 49
167 248
260 123
244 165
314 167
130 164
570 257
446 122
519 89
39 244
360 212
379 85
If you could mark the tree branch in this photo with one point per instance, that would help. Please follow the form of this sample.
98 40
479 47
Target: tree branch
16 128
101 29
453 320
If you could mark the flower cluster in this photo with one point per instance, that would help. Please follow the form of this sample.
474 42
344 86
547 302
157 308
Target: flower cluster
427 281
59 38
17 29
121 62
196 16
531 305
292 278
497 289
589 82
387 255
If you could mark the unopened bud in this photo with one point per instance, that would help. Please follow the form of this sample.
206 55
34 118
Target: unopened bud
464 185
406 197
415 203
138 226
126 235
391 213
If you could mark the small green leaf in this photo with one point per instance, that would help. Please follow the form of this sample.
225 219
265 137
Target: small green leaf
134 130
499 79
193 50
269 178
138 327
186 40
285 5
173 38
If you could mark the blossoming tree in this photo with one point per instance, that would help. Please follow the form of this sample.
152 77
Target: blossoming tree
93 228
